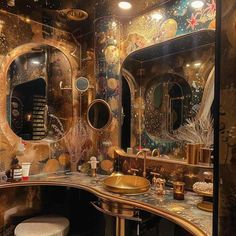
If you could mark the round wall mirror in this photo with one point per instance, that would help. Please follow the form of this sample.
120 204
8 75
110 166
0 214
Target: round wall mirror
99 114
82 84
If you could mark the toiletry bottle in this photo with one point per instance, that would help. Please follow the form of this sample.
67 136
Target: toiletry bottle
16 170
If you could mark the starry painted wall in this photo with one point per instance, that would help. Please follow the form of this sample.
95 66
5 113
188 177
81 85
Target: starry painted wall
140 32
178 18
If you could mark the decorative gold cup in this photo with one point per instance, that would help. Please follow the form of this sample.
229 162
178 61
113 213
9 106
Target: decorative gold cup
205 155
178 190
193 153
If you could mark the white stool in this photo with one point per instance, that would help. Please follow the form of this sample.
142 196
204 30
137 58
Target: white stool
46 225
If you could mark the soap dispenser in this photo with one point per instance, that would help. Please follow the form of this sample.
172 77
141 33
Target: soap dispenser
93 162
158 183
16 168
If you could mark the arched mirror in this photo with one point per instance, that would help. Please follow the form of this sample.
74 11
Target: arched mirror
99 114
37 106
168 100
165 84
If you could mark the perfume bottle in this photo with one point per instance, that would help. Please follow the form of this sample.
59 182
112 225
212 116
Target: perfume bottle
16 170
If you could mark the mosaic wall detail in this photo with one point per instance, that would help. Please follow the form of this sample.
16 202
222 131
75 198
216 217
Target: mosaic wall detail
107 48
20 36
178 18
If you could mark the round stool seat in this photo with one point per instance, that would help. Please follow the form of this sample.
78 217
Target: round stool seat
46 225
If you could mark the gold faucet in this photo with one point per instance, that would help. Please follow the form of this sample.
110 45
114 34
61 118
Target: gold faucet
144 152
154 151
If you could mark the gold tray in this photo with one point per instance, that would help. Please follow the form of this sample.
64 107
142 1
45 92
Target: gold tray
204 204
202 193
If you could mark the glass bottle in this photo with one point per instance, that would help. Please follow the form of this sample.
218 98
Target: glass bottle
16 170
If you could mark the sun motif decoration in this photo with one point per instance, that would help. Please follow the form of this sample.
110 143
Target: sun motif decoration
211 7
192 22
202 15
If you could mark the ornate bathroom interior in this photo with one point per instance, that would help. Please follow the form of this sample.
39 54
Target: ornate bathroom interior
123 112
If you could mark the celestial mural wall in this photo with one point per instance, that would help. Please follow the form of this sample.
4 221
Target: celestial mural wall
114 41
166 22
169 21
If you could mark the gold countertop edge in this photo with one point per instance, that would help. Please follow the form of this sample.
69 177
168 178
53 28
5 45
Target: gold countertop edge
187 225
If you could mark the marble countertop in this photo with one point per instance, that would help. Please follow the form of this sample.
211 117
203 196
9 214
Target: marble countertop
184 213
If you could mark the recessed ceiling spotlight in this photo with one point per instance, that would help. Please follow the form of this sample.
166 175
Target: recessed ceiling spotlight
35 62
125 5
197 64
197 4
157 16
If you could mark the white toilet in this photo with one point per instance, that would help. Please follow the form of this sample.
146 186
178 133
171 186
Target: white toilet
46 225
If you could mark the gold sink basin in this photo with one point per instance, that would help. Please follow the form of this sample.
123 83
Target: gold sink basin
126 184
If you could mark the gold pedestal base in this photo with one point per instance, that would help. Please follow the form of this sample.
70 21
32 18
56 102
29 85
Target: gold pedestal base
205 206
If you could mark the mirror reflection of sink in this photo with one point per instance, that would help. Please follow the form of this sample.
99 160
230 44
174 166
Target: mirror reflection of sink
164 156
126 184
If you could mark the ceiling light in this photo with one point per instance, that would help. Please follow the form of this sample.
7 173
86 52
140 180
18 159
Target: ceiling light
114 24
157 16
197 64
35 62
125 5
27 20
197 4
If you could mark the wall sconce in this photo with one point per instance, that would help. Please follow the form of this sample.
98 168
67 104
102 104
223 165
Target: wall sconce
64 88
157 16
11 3
125 5
28 117
1 25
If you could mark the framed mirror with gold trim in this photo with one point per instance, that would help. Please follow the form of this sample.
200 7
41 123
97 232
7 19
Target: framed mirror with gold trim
99 114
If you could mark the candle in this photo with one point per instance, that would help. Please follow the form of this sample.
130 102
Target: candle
178 190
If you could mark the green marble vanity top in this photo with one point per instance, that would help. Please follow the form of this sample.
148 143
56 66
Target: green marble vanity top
181 212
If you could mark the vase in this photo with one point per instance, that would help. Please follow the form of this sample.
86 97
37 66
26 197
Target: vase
205 155
193 153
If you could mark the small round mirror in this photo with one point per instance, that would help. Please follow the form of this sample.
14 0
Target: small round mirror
99 114
82 84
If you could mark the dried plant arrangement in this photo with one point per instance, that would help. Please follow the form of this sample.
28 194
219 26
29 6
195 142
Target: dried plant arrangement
197 130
